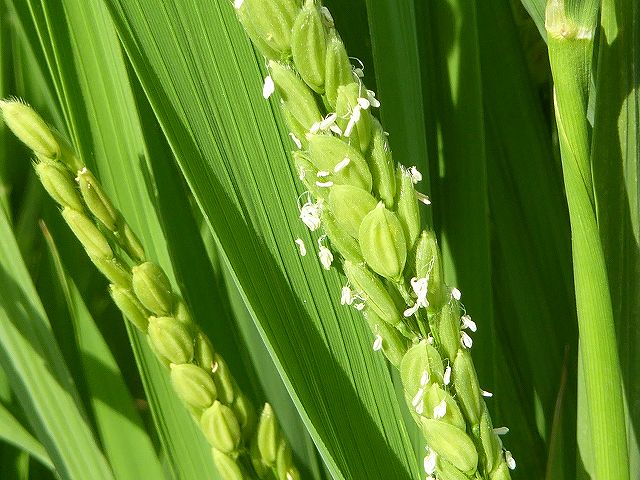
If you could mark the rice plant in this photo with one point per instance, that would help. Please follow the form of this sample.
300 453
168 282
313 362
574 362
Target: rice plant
281 239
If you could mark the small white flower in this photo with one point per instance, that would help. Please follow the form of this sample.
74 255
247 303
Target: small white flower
424 379
359 306
447 375
324 184
371 96
310 214
511 462
364 103
328 121
322 174
455 293
416 176
303 249
467 341
440 410
326 257
269 87
486 394
430 462
296 140
420 288
468 323
501 430
430 339
355 116
340 165
423 198
345 296
377 344
417 397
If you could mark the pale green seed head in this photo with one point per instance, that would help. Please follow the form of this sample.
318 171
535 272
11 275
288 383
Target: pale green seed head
382 243
309 45
440 405
354 120
381 166
491 444
193 385
58 182
153 289
407 207
93 241
223 379
467 388
297 97
170 339
451 443
420 367
227 467
221 428
338 68
97 200
349 205
30 128
268 435
341 163
246 415
114 270
344 243
370 288
130 306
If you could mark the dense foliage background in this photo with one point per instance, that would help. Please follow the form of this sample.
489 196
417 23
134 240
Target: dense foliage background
163 100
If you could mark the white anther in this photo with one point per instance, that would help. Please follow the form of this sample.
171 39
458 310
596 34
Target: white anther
315 127
423 198
486 394
501 430
446 378
468 323
340 165
430 339
336 129
303 173
359 306
430 463
237 4
511 462
324 184
424 379
355 116
420 407
327 122
327 15
322 174
345 296
416 176
214 367
364 103
80 173
440 410
310 214
296 140
371 95
326 257
420 288
303 249
467 341
417 397
377 343
269 87
455 293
